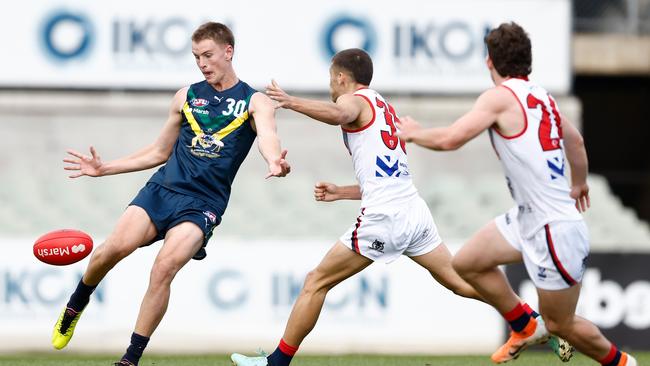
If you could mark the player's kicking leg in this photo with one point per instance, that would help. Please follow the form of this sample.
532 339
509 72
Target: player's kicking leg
438 263
181 244
133 229
558 309
477 262
339 264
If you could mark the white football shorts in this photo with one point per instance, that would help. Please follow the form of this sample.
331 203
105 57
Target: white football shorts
383 233
555 255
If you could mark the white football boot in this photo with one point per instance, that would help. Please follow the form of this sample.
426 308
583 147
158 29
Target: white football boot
241 360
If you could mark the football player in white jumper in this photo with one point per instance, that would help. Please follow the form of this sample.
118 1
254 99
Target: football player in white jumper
545 229
393 219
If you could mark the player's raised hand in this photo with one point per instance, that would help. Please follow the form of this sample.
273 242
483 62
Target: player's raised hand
279 167
580 193
83 164
407 128
278 95
326 192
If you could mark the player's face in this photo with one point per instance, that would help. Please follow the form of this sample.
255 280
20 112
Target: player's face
213 59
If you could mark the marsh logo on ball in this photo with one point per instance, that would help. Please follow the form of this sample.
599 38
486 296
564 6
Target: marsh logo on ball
80 248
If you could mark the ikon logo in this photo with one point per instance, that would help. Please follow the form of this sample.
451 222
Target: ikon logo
80 248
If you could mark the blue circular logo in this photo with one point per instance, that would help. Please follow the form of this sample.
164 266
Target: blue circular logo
347 23
77 46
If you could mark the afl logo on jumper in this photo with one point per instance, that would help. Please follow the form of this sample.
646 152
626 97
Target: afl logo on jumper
199 102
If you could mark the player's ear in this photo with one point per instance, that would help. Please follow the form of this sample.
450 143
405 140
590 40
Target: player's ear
230 52
488 62
340 78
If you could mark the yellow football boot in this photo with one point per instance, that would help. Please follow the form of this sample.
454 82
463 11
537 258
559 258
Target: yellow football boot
64 327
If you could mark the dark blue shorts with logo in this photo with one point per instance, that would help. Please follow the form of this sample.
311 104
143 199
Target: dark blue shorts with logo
167 208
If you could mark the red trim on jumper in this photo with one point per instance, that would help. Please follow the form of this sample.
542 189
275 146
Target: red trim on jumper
287 349
515 313
610 356
355 239
523 111
551 248
372 107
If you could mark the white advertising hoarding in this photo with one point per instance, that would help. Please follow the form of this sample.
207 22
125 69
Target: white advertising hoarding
238 299
417 46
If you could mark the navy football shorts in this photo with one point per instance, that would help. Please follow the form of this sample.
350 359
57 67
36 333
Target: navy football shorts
167 208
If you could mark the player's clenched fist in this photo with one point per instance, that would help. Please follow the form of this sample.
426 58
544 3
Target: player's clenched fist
326 192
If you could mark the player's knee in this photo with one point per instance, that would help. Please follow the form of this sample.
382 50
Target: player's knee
108 254
115 248
558 327
163 271
461 266
315 282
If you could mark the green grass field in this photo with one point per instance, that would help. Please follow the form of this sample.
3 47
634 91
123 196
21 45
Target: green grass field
531 358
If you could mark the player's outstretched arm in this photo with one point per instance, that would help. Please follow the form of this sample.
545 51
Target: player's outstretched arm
485 111
328 192
263 112
145 158
576 154
346 109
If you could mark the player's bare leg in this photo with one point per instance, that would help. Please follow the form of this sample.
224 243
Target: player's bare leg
477 262
339 264
181 243
558 310
133 229
438 263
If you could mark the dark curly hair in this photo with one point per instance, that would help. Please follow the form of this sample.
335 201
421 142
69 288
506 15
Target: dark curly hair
509 48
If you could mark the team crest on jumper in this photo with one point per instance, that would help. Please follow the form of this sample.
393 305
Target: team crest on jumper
204 145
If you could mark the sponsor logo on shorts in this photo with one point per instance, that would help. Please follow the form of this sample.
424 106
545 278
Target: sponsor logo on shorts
211 216
525 208
507 217
541 273
199 102
377 245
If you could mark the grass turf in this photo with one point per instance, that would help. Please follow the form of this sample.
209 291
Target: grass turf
530 358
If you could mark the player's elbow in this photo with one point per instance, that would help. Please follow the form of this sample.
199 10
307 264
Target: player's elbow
449 144
579 142
160 156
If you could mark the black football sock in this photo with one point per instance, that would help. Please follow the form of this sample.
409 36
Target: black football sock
518 318
529 310
282 355
135 350
81 296
613 358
